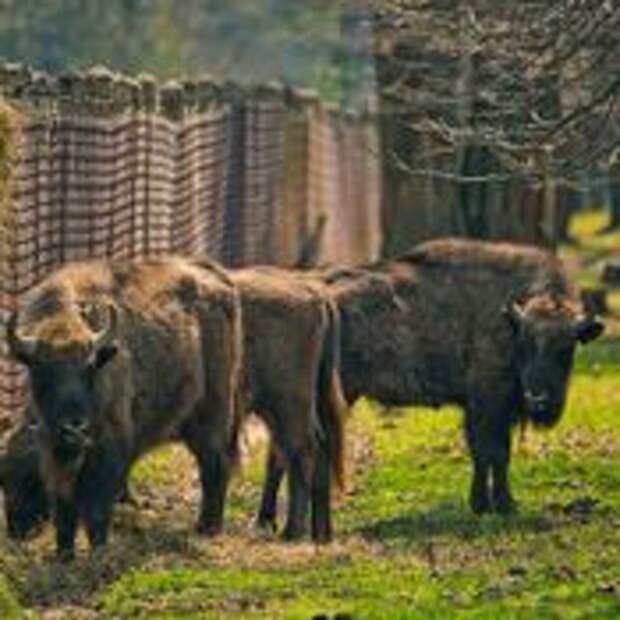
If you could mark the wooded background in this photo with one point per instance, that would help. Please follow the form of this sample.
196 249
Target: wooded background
388 123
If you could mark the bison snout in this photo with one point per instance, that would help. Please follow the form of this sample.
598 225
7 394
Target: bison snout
71 438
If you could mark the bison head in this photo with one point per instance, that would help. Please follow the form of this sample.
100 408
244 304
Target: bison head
547 327
63 355
26 504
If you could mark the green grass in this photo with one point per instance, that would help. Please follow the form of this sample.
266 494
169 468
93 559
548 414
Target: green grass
410 549
593 246
406 546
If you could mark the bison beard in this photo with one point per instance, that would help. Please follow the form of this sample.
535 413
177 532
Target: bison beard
121 357
491 327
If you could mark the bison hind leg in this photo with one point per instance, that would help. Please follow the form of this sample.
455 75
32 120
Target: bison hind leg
488 436
480 491
267 519
214 474
321 492
299 497
206 436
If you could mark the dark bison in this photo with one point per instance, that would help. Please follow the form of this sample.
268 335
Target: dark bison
290 380
121 356
491 327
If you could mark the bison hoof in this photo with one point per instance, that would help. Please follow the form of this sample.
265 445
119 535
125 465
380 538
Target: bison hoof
505 505
322 538
266 526
64 556
480 504
125 496
292 533
209 529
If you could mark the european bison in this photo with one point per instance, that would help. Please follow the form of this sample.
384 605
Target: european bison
123 356
290 380
491 327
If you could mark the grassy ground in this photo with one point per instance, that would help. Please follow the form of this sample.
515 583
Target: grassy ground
407 546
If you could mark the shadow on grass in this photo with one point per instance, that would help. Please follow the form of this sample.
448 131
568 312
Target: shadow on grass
47 582
453 520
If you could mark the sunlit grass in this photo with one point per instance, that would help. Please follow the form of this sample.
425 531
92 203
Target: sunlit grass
407 545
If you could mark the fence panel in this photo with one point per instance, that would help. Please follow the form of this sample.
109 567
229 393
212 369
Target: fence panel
111 167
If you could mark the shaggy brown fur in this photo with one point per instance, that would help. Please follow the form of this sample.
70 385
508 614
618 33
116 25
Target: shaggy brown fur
489 327
291 382
172 369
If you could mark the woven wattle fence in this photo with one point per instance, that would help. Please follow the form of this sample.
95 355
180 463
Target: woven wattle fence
102 165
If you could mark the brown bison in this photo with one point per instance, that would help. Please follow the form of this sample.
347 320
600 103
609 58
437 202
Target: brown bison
289 379
122 356
491 327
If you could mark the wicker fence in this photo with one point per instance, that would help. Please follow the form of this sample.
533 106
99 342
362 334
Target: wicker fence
108 166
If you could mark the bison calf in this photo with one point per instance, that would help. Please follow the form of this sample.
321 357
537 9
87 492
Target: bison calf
122 356
291 381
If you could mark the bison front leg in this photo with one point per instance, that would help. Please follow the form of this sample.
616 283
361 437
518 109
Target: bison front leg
488 437
66 523
479 498
97 522
503 501
97 512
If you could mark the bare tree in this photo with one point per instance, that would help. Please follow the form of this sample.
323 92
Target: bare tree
497 108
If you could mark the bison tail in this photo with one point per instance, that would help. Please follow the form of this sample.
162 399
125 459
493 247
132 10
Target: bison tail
236 432
332 405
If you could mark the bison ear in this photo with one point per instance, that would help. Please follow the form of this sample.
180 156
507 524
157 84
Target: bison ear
588 328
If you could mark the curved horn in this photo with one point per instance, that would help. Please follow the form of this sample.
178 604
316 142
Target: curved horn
513 309
588 328
104 336
3 466
22 347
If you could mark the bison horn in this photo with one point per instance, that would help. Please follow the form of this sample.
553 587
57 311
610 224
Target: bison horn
588 328
105 336
514 311
22 347
3 467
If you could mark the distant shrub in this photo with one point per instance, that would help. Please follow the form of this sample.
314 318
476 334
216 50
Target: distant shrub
10 609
